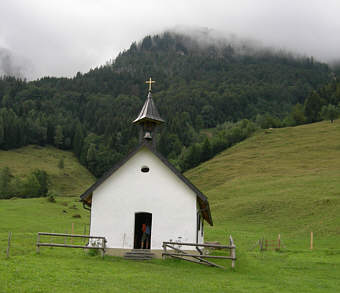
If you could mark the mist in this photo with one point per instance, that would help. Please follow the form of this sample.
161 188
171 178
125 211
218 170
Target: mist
11 65
59 38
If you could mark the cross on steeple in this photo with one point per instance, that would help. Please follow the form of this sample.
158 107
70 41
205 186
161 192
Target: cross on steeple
150 82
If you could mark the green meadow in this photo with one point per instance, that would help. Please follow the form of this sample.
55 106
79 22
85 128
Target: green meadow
72 180
280 181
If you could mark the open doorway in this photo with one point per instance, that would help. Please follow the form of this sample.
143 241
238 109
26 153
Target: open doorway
143 223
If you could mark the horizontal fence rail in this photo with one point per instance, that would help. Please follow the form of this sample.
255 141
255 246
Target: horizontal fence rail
71 235
99 244
199 245
270 244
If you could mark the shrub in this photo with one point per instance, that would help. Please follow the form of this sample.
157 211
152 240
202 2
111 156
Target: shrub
329 112
51 198
93 252
5 183
61 163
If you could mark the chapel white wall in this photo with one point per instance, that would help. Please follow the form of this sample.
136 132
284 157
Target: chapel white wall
160 192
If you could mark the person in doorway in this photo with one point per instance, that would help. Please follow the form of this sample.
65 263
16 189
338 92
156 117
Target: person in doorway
144 236
147 232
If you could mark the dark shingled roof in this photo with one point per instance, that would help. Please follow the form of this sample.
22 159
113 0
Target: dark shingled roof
86 197
149 112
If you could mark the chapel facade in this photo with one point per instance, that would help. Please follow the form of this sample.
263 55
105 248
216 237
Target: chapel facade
144 200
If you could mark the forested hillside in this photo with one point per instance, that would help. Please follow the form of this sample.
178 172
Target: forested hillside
197 86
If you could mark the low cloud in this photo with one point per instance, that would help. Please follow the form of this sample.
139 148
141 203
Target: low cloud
9 65
62 37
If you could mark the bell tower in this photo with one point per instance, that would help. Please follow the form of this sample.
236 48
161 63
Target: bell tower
148 118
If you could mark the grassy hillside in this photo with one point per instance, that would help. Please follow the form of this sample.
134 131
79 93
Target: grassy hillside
283 181
278 181
70 181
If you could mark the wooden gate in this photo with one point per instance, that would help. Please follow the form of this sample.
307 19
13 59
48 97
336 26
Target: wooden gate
200 258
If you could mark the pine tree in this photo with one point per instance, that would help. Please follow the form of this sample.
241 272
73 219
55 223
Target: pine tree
91 157
78 140
313 106
329 112
2 132
298 115
59 137
206 150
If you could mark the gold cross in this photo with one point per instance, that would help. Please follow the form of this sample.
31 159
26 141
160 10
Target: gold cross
150 82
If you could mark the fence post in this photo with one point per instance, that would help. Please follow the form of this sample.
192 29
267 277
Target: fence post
8 244
164 250
103 247
72 232
38 241
311 240
84 232
279 242
232 252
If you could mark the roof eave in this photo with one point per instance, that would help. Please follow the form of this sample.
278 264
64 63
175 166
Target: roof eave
145 118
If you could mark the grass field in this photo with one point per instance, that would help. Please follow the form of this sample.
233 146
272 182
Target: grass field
70 181
285 181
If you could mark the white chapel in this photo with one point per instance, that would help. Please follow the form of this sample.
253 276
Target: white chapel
144 200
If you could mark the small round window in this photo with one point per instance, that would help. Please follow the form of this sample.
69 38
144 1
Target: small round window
145 169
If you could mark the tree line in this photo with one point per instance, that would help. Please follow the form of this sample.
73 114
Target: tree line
196 88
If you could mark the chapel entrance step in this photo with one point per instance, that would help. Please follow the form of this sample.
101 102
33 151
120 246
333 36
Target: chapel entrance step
139 254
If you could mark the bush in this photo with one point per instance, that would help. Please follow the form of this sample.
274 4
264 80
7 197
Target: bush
42 179
93 252
5 183
61 163
51 198
30 187
329 112
34 185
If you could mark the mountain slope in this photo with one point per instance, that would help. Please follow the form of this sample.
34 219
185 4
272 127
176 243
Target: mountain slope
197 86
72 180
278 181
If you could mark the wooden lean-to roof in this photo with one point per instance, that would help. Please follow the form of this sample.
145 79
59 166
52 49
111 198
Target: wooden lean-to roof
86 197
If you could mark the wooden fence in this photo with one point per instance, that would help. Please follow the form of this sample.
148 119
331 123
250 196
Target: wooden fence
199 258
99 241
266 244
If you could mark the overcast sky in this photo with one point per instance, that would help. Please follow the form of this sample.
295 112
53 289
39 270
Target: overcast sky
61 37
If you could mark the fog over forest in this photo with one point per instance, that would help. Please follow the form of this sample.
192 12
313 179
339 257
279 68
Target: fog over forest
59 38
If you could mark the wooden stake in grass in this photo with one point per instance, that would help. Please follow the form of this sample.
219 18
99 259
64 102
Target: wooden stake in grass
38 242
279 242
8 244
84 232
311 240
232 252
72 231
